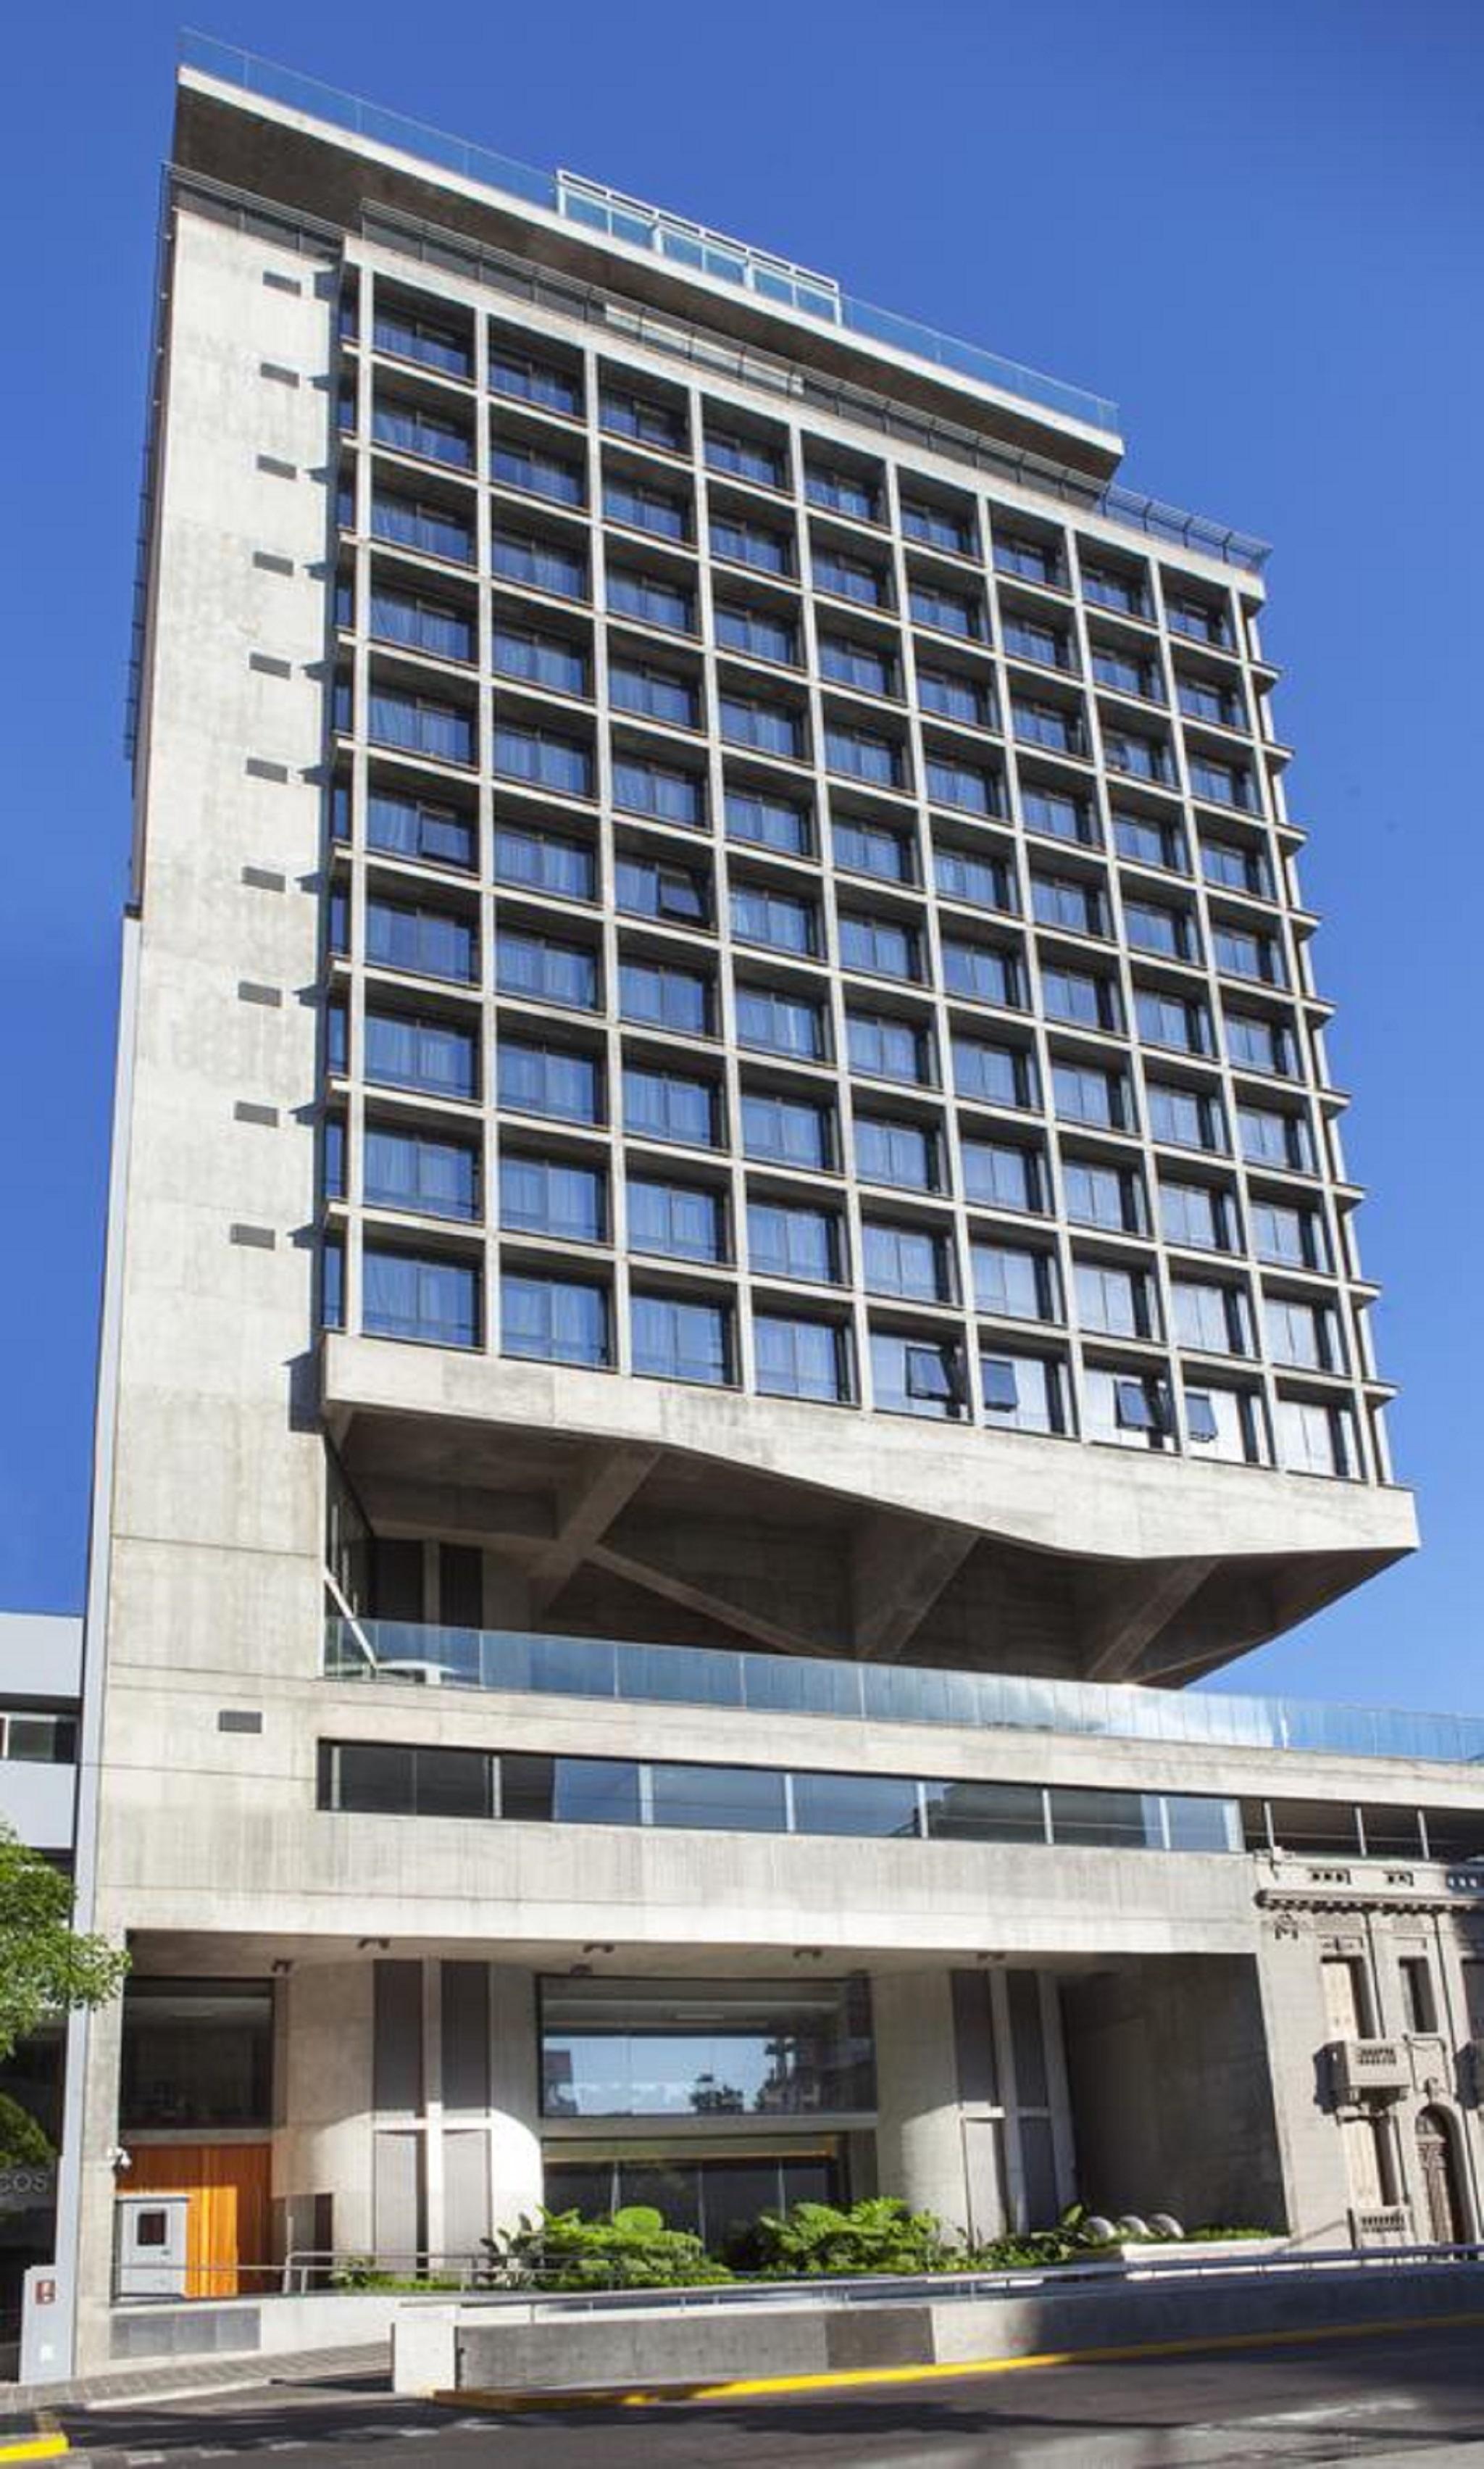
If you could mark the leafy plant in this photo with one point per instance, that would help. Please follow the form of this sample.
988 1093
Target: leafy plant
878 2235
45 1966
632 2249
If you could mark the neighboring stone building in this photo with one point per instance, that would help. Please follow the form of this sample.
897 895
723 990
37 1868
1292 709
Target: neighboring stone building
728 1235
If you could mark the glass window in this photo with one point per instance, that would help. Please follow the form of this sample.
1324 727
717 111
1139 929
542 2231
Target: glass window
539 563
1234 868
761 637
1029 638
676 1219
544 862
1047 723
409 428
1303 1335
842 492
544 476
1081 1095
1169 1020
1115 588
872 848
862 665
1103 1195
755 544
1057 812
1316 1439
981 971
1012 1281
421 625
1240 955
542 761
1206 699
634 415
644 596
436 1302
1062 900
967 786
1153 927
895 1152
985 1812
526 380
655 694
1203 620
1023 1393
1221 1423
768 822
761 725
1270 1138
1146 842
862 756
569 1792
417 724
1117 1820
787 1131
547 1080
541 1196
1210 1318
777 1023
961 875
541 970
414 1170
652 789
947 612
900 1260
787 1241
646 509
1115 1303
699 2048
412 827
414 336
1001 1174
652 887
918 1376
800 1358
1190 1213
669 1106
884 1049
681 1341
1140 758
877 946
425 942
664 997
1133 1412
539 659
408 1052
1187 1118
553 1320
1126 672
747 458
196 2053
432 530
848 578
1000 1074
1260 1045
730 1800
938 526
1077 995
1227 784
1035 560
1294 1237
855 1804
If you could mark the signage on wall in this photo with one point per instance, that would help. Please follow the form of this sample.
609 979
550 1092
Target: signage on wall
23 2189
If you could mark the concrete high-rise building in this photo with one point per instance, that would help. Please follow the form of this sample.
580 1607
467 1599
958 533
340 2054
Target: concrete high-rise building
729 1256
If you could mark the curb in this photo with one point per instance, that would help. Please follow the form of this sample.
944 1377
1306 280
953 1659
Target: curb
47 2443
857 2378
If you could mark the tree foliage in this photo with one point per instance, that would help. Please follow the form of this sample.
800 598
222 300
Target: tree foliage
46 1968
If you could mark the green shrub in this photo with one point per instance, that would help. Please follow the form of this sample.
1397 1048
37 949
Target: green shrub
634 2249
878 2235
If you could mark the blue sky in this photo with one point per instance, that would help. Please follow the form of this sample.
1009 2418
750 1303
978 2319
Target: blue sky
1260 229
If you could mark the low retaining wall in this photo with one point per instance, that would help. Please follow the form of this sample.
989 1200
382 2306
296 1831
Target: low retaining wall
255 2326
520 2349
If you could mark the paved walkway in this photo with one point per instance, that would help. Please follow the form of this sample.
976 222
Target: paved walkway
249 2368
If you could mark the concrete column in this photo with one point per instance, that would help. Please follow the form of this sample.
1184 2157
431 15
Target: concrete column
920 2134
324 2146
516 2182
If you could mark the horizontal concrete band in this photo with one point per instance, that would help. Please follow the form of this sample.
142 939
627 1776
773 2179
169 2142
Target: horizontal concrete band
662 2350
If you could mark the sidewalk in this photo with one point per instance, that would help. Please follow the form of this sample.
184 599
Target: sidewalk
248 2368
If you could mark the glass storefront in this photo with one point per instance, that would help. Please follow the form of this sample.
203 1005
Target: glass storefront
196 2053
716 2195
706 2049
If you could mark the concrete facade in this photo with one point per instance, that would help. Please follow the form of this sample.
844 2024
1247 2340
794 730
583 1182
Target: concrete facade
1074 1953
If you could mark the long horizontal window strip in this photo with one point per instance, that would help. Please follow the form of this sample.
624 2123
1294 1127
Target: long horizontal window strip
395 1779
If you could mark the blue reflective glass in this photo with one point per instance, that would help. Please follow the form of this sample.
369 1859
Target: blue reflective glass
543 862
411 1053
547 1080
434 1301
553 1320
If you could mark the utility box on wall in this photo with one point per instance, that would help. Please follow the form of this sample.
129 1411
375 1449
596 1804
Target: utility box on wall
149 2245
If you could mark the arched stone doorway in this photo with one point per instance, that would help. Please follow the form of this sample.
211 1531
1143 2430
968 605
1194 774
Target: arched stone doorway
1441 2198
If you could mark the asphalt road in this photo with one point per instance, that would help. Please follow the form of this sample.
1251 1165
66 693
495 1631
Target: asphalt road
1416 2400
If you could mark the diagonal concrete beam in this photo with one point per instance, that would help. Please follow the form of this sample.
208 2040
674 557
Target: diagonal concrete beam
683 1590
456 1512
1130 1610
586 1509
898 1572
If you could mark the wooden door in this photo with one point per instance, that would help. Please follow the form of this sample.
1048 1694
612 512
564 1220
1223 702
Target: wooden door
227 2224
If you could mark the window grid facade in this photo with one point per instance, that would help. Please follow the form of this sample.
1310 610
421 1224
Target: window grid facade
969 598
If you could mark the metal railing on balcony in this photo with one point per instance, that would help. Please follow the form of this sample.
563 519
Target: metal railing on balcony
524 1662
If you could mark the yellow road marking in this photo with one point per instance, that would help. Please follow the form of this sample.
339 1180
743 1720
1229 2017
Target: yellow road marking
35 2446
948 2370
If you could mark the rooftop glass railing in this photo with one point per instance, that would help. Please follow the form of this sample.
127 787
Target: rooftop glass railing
772 278
781 1684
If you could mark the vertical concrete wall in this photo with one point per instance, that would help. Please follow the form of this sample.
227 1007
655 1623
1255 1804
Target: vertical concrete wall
1168 2067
